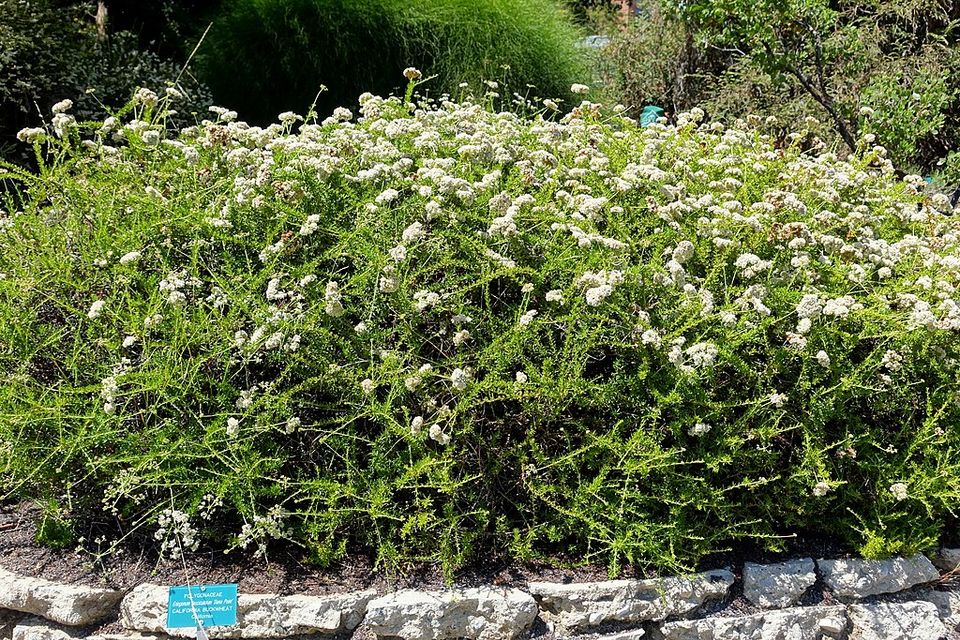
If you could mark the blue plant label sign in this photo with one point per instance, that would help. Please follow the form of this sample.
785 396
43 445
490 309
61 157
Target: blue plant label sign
210 605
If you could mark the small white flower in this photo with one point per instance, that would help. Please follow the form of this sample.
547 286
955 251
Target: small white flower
368 386
596 295
233 425
129 258
436 433
778 399
310 225
554 295
292 424
651 337
388 196
899 491
398 253
62 106
699 429
521 377
416 425
333 300
683 251
360 328
109 408
459 378
821 489
579 89
460 337
95 309
527 318
527 287
129 341
412 73
413 233
823 359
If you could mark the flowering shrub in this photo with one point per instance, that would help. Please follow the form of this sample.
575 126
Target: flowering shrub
432 331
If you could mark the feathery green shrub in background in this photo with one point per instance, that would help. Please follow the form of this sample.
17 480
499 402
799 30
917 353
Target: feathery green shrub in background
263 57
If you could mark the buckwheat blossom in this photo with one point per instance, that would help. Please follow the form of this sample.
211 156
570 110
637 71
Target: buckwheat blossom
899 491
129 341
233 426
416 425
367 385
96 309
360 328
333 305
683 251
292 425
596 295
699 429
459 378
437 434
554 295
527 318
702 354
892 360
413 233
398 253
412 73
809 306
460 337
129 258
821 489
823 359
63 106
388 281
527 288
521 377
751 265
424 299
778 399
388 196
651 337
579 89
310 225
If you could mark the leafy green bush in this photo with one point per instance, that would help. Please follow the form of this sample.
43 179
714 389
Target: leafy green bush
438 333
267 56
50 52
792 60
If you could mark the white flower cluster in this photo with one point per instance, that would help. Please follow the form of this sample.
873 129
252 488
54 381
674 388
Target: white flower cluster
598 286
175 533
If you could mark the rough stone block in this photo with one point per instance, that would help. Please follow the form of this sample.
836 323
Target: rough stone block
890 621
258 616
796 623
72 605
485 613
775 586
579 606
855 579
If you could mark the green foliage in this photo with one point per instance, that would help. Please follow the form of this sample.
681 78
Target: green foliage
802 59
54 528
50 52
441 333
263 57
